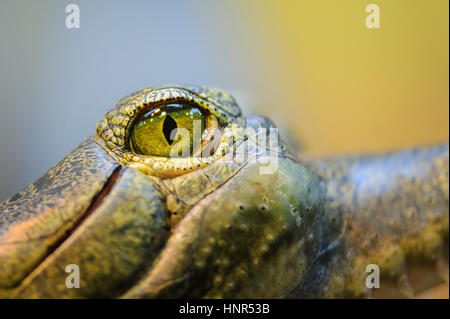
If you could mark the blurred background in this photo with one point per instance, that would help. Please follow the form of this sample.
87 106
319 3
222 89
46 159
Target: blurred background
312 66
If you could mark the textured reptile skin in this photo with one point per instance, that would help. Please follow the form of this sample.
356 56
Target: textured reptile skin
143 226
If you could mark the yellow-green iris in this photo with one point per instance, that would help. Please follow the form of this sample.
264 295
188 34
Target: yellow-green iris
173 129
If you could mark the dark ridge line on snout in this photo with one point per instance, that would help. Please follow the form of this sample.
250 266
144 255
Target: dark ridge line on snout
95 203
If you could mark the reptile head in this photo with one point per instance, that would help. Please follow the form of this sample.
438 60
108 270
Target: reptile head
177 195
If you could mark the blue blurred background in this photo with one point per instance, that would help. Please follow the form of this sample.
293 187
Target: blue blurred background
312 66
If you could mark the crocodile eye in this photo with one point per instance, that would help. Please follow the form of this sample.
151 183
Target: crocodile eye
168 130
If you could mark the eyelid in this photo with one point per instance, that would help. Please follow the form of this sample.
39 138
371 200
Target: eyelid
114 129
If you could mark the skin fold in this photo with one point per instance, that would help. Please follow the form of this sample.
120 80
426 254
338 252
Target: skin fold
247 220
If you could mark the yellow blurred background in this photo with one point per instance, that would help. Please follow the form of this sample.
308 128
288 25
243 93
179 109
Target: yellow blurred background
342 87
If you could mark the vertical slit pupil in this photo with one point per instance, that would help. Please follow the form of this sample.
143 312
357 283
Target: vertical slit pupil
168 126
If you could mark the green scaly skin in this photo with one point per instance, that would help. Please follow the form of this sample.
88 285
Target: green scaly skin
219 226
